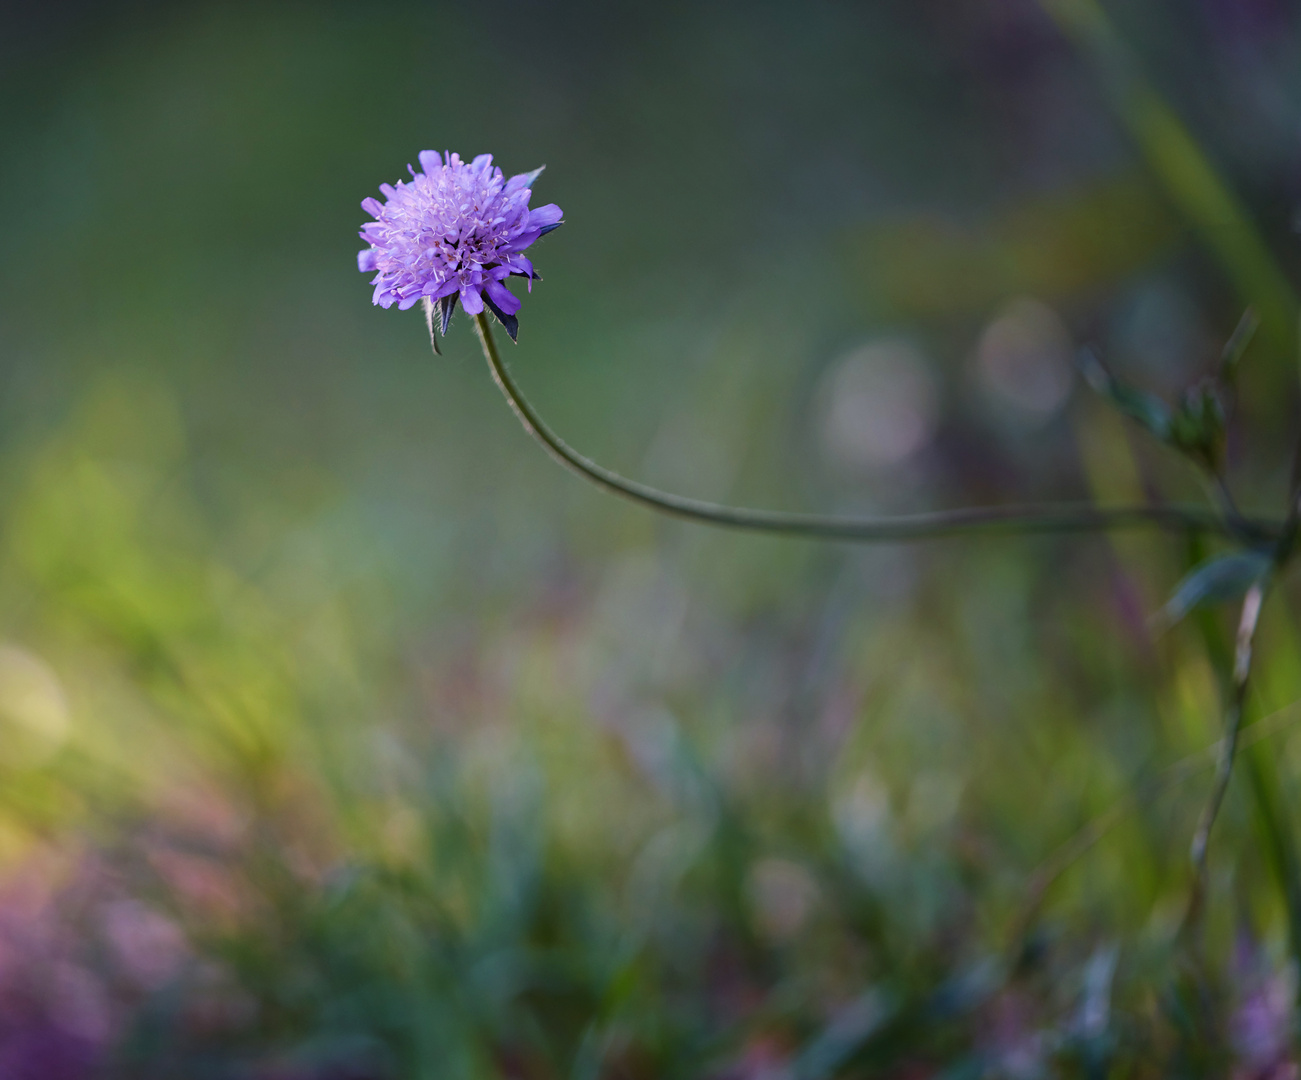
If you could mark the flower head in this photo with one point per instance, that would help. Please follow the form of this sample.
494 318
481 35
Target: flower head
455 231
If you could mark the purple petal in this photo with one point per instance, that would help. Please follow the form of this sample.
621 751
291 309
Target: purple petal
430 161
502 297
546 217
508 321
471 300
521 241
372 206
366 260
523 180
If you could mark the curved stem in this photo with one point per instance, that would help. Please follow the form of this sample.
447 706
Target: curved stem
1049 518
1083 840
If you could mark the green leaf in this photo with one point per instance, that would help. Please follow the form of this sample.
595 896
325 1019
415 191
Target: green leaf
1225 577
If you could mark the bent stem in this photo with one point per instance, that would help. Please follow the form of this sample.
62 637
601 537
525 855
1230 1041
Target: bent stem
1049 518
1247 623
1067 854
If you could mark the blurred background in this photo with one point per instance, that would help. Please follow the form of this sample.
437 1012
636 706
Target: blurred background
342 735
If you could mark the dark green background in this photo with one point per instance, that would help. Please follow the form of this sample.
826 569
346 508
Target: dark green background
287 566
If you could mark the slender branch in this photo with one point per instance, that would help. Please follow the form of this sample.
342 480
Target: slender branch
1247 624
1048 518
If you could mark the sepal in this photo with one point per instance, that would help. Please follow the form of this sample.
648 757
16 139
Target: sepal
428 304
529 177
510 322
1147 409
446 305
1198 426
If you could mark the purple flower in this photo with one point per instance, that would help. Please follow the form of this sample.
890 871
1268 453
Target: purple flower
456 231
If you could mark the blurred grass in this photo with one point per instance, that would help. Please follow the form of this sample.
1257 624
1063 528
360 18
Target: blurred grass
344 736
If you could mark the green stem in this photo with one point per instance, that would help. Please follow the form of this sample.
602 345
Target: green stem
1083 840
1243 651
1058 518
